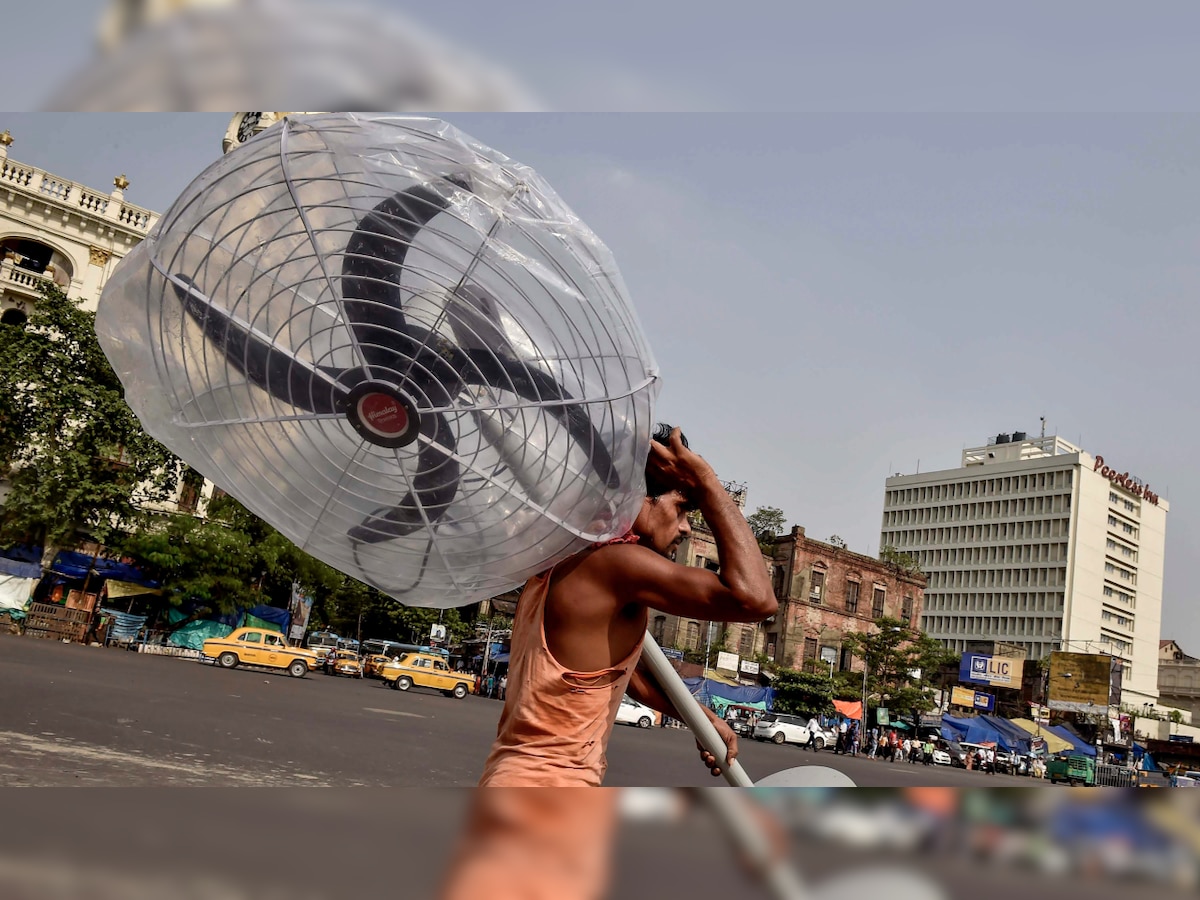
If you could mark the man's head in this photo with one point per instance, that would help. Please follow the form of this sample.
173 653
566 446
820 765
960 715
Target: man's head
663 523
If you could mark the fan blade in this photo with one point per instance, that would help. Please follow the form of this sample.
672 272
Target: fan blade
374 262
434 488
283 375
487 370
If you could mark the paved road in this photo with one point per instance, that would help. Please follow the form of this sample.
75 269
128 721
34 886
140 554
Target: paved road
74 715
313 845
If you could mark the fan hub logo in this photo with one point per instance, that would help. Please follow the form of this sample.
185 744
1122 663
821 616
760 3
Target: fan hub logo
382 415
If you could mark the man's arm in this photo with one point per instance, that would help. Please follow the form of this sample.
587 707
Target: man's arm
740 592
644 688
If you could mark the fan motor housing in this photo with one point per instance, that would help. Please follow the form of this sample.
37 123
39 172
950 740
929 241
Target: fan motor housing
382 414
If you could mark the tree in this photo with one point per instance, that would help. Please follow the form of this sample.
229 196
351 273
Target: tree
837 541
803 693
900 663
73 452
1176 718
767 523
901 562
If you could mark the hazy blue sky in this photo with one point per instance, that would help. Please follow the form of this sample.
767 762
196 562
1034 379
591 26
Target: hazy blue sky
833 298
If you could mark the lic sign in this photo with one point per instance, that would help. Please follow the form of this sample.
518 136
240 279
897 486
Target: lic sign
993 670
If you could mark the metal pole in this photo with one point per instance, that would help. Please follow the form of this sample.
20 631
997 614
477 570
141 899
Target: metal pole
707 648
689 710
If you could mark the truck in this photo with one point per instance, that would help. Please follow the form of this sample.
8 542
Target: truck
1071 769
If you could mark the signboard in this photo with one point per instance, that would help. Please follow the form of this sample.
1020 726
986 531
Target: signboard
437 632
296 633
1079 682
829 654
1039 713
671 653
881 716
300 607
965 696
750 668
997 671
727 661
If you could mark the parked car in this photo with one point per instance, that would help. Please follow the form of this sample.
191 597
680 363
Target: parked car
631 712
427 670
257 647
941 756
783 728
958 754
344 662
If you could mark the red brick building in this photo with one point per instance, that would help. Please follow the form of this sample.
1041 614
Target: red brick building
824 593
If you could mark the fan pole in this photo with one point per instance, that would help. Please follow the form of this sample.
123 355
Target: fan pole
689 709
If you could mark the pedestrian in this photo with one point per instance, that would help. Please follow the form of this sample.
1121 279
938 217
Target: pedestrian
814 729
491 684
503 685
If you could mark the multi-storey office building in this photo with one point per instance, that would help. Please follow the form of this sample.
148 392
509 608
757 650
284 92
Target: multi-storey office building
1038 543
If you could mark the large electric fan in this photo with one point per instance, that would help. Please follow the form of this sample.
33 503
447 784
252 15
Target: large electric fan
397 346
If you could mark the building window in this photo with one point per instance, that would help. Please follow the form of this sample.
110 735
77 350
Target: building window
818 585
810 648
660 627
746 642
693 636
877 603
852 596
906 610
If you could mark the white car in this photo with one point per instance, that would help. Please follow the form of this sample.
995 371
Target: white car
940 757
631 712
782 728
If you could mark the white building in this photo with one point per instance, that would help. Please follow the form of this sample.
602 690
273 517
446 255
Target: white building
52 228
1037 543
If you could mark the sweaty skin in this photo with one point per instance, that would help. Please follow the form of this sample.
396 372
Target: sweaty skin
591 617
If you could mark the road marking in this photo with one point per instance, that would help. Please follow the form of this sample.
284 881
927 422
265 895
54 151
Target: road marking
392 712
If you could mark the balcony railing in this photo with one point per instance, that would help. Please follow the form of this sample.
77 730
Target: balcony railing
12 274
45 186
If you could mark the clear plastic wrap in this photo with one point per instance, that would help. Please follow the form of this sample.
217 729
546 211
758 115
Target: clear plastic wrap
397 346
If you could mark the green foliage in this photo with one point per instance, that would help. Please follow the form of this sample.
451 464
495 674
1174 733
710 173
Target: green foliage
75 455
803 693
767 522
893 654
901 562
838 541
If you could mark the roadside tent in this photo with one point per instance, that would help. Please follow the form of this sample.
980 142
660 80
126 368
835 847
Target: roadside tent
15 592
1078 745
979 730
718 694
1054 744
1013 737
851 709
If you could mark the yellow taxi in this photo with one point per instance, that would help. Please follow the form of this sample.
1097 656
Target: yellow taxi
344 662
426 670
373 667
257 647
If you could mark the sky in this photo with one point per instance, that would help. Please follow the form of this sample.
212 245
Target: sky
836 298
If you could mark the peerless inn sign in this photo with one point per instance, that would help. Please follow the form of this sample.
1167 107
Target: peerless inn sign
1124 479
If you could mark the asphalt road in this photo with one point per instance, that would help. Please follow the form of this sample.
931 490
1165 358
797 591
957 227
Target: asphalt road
75 715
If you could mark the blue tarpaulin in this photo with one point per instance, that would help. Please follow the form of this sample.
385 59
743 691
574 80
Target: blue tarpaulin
19 569
272 614
705 690
77 565
124 627
986 730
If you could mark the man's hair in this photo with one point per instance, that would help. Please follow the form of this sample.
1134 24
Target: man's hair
655 485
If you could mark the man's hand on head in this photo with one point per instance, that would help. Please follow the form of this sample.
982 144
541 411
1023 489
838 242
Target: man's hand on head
679 466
